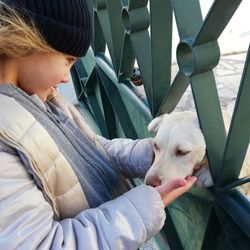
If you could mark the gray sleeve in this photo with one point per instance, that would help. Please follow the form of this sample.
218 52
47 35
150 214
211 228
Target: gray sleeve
133 157
27 219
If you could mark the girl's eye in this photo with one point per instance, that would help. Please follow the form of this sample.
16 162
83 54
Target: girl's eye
71 60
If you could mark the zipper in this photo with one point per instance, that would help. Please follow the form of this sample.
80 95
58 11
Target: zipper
36 179
11 144
19 149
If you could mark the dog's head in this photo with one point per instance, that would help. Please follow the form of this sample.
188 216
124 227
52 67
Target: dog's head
179 147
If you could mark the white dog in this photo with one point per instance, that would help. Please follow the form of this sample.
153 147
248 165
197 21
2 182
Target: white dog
179 148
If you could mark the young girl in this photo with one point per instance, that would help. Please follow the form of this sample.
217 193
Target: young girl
61 186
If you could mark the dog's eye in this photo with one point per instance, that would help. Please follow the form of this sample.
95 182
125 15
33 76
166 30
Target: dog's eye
180 152
155 146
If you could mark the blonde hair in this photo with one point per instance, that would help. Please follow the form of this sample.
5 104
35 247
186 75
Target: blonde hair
18 38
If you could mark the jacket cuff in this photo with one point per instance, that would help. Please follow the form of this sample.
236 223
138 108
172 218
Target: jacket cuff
149 205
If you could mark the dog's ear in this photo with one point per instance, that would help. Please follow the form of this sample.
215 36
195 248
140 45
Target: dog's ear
154 125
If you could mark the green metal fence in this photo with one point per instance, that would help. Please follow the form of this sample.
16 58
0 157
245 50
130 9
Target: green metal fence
141 31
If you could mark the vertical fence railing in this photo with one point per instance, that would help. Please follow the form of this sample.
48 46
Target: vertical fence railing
141 32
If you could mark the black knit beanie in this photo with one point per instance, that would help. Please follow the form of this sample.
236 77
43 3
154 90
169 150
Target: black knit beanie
64 24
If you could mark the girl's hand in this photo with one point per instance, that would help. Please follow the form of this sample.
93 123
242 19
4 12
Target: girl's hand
172 189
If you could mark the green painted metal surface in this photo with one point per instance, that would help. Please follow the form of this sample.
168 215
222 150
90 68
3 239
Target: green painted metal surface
141 31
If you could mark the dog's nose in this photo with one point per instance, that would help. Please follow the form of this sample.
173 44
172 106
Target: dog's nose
153 181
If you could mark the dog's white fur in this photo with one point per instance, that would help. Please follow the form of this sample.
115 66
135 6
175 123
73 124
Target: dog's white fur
179 147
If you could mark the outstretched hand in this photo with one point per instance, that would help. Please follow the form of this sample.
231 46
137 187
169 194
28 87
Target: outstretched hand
172 189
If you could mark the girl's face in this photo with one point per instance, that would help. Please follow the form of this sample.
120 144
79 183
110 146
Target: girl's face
41 73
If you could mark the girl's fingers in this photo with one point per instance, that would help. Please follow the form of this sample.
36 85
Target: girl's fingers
173 189
170 185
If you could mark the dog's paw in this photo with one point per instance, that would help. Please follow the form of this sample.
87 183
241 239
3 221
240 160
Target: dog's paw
204 178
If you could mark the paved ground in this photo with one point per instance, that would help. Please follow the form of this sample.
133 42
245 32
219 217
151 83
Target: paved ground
227 74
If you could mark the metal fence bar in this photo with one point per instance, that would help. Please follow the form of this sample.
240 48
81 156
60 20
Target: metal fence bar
239 133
